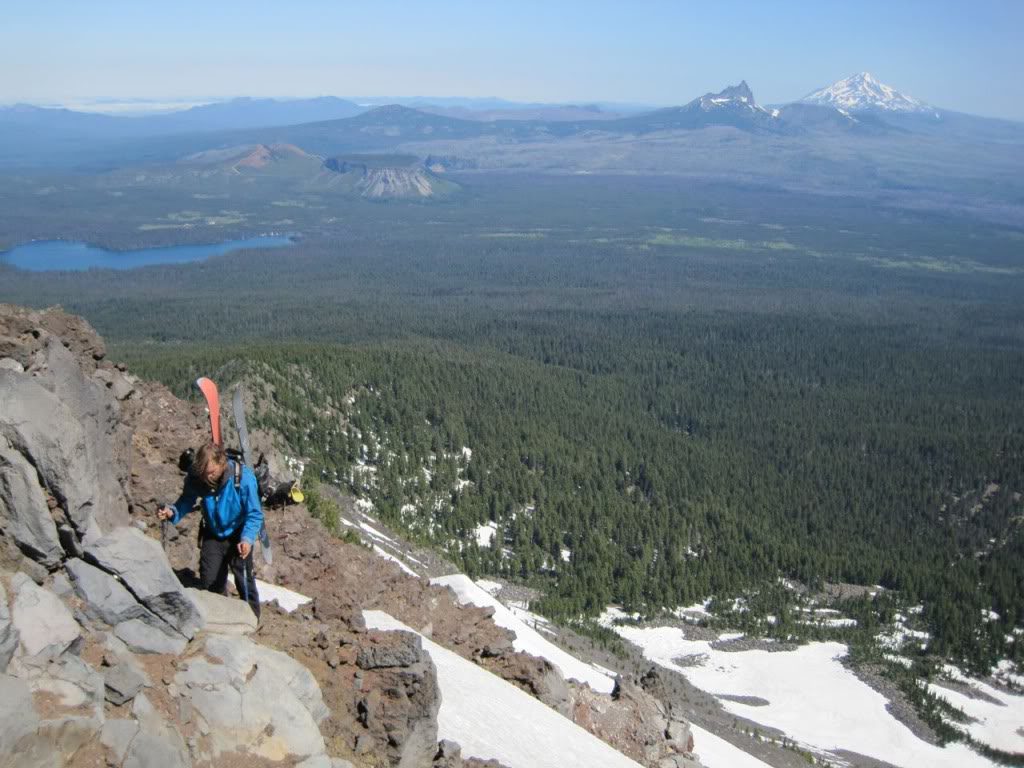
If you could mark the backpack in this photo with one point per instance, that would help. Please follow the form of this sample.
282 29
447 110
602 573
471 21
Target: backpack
271 492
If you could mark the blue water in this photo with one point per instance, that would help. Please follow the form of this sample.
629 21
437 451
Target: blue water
51 255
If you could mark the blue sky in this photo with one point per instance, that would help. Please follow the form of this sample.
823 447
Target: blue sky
958 55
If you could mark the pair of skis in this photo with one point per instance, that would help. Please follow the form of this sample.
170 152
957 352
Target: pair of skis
209 391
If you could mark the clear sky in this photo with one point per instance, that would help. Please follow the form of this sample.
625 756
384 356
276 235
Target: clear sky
958 55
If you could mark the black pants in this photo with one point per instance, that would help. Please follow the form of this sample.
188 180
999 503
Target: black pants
215 557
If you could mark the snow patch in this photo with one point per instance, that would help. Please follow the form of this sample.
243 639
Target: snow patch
490 587
527 638
492 719
1006 671
375 533
286 598
689 611
613 614
811 697
716 752
393 559
485 534
996 723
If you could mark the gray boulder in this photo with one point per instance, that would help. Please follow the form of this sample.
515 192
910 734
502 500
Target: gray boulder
141 637
24 514
42 620
144 570
117 736
156 744
123 678
105 597
60 585
253 698
120 386
70 681
223 615
680 735
75 688
449 755
18 719
162 749
95 408
8 632
240 655
39 426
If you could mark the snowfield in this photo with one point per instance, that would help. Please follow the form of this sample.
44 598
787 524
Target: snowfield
491 718
527 639
811 696
715 752
997 722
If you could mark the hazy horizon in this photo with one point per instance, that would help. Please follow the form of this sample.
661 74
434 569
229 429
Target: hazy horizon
948 54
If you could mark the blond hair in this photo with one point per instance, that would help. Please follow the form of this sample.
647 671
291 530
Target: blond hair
208 455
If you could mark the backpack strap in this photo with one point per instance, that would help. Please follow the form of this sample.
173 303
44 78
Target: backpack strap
238 475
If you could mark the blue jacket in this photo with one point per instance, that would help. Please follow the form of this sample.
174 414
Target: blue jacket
227 510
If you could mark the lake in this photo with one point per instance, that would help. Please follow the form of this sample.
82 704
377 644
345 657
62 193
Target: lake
52 255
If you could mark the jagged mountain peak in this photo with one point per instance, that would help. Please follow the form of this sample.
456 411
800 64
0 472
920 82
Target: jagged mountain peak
862 92
740 92
732 98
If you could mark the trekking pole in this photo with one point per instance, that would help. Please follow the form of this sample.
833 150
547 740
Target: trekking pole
245 579
164 535
248 575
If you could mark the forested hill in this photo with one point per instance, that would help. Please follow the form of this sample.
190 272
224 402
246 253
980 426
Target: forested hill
664 397
671 475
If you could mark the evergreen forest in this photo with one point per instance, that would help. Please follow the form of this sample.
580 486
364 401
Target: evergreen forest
668 391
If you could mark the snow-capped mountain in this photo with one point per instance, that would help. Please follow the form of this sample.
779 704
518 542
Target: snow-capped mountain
863 93
735 106
734 97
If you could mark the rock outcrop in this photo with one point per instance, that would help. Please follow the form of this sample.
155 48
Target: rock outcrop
104 655
43 622
139 563
636 723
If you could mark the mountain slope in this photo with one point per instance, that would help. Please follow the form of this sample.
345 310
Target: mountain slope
93 654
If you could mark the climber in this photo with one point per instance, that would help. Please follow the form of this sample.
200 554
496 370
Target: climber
232 518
